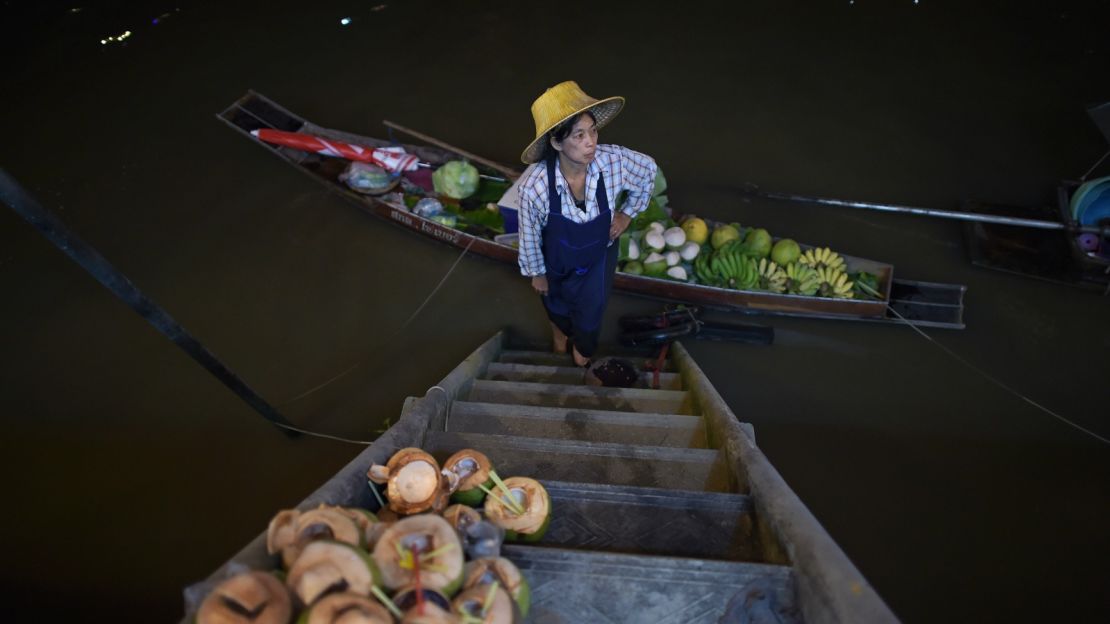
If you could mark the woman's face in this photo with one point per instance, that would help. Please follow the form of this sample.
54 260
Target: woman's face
581 143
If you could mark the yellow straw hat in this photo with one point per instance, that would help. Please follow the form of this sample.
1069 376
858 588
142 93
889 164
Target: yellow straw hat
560 103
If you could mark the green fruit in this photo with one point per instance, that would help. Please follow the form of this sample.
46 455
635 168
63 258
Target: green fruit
633 267
723 234
523 596
538 535
655 265
758 243
785 251
472 497
696 230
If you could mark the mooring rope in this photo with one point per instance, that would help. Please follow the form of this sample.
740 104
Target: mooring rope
396 334
403 326
326 436
1083 178
440 284
997 381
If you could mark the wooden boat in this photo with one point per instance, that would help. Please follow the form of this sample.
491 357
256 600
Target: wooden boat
923 303
1051 255
663 508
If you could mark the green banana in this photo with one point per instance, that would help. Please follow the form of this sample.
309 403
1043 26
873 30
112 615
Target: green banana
699 269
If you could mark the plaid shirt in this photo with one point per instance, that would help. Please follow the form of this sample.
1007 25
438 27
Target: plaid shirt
624 170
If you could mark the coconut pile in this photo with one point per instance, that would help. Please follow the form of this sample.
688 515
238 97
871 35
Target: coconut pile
430 555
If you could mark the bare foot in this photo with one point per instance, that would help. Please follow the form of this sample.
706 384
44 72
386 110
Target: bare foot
579 359
558 339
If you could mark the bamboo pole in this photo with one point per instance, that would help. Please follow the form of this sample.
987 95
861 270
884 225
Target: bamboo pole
21 202
929 212
509 173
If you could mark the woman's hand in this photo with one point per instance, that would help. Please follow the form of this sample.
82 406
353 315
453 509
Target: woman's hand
539 283
619 225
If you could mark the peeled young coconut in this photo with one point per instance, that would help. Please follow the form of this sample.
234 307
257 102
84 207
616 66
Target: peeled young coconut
375 532
326 567
366 522
528 526
346 608
430 614
485 571
431 539
280 532
435 610
460 516
385 514
322 523
248 598
413 481
473 469
473 602
327 522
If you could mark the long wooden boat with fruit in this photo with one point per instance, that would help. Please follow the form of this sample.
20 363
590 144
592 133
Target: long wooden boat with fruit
512 492
737 274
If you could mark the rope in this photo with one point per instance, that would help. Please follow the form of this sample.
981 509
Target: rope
352 368
440 284
1083 178
395 335
317 387
326 436
996 381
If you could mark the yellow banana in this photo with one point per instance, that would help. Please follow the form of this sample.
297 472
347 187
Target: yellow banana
833 283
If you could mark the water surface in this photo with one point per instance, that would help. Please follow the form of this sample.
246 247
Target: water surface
132 472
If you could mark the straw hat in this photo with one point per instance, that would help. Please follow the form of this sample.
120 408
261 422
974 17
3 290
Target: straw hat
560 103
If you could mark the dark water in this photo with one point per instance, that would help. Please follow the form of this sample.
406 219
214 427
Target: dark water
130 472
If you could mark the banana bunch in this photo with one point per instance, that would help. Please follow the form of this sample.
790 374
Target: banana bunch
727 267
801 279
771 277
822 257
833 283
706 274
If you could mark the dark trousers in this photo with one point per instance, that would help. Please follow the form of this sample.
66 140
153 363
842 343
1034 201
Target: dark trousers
586 341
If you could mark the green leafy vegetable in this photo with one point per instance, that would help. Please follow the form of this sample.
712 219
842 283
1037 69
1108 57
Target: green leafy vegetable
653 212
865 284
457 179
489 191
660 183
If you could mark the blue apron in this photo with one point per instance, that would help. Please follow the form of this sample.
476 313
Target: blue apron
577 259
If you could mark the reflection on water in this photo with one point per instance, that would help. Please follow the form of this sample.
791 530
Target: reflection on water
139 473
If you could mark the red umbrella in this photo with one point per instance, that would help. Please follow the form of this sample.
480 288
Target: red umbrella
390 158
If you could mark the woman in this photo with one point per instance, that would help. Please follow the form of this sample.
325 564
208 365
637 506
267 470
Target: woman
568 217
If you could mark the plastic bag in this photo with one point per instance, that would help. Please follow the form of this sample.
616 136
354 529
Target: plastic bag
430 208
427 208
366 178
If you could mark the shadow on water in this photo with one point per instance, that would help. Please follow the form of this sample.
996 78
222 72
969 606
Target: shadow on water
133 473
